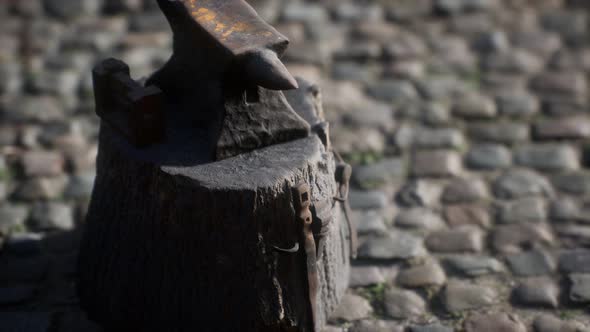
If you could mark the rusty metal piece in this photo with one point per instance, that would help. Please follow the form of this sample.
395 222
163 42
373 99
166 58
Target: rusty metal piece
322 219
343 174
302 204
236 37
292 250
128 107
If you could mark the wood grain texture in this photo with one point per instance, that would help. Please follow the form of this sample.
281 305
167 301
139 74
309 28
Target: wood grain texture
189 246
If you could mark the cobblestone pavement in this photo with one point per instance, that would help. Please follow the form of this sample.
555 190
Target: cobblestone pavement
466 120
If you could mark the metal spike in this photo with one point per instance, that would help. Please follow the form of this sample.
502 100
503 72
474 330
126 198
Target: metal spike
264 69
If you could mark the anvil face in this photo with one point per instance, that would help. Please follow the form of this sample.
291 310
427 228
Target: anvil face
235 25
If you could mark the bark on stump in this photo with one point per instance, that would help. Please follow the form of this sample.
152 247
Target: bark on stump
172 244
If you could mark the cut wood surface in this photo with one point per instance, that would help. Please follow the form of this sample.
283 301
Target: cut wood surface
175 243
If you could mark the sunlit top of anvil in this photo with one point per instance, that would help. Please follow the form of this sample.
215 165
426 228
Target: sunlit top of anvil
236 28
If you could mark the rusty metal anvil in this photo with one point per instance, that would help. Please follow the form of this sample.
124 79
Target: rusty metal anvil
226 36
224 71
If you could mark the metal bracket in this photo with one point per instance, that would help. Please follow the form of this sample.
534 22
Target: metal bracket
343 174
130 108
302 202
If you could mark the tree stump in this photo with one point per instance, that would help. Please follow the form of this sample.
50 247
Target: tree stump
174 242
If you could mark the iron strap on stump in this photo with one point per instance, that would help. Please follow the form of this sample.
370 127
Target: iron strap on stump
218 204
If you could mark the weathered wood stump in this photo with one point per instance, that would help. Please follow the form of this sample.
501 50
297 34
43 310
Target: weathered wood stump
174 242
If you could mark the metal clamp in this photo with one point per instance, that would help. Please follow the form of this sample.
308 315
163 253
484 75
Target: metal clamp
343 174
302 203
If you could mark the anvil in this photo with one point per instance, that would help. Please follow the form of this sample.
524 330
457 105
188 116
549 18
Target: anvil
225 67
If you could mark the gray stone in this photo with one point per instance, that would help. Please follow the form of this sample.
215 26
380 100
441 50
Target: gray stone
458 296
515 61
368 221
548 323
42 163
34 108
436 163
572 24
411 69
42 188
392 245
63 83
351 71
473 266
430 328
494 41
573 234
517 104
435 114
460 239
464 191
449 6
474 106
419 193
369 113
499 132
351 308
575 261
576 183
123 5
17 321
564 209
512 238
359 51
8 135
547 157
149 21
12 217
347 142
488 157
467 214
351 12
420 218
429 274
571 127
393 91
18 294
80 186
10 76
537 41
362 276
426 138
527 209
542 292
520 183
375 326
380 173
306 13
561 84
52 216
403 304
24 244
70 9
580 290
440 88
405 46
365 200
3 191
531 263
494 322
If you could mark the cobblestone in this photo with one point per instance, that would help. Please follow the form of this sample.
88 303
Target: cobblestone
465 122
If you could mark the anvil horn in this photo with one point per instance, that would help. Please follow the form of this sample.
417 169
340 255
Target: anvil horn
263 68
226 36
